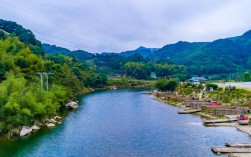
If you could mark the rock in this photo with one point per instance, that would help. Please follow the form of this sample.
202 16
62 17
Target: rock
25 130
163 98
71 104
50 125
35 127
57 118
113 87
52 121
16 131
37 123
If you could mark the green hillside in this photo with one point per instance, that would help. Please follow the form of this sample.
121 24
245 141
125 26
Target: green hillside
79 54
128 64
22 99
143 51
24 35
220 56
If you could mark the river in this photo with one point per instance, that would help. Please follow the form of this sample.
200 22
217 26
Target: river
123 123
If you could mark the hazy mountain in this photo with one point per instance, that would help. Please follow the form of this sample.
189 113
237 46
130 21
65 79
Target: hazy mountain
143 51
79 54
228 55
220 56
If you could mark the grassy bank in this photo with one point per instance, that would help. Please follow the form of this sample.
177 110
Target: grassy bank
177 101
121 83
229 95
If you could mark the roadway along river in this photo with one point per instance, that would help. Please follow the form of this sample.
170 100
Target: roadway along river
124 123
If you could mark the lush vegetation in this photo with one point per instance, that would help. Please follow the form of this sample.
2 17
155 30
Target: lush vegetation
142 70
220 56
24 103
78 54
22 56
211 85
143 51
229 95
218 59
166 85
235 96
189 89
129 83
22 100
24 35
134 66
16 56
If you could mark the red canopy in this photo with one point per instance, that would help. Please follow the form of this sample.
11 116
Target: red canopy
214 103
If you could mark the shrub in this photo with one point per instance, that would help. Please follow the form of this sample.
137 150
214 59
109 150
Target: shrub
214 86
166 85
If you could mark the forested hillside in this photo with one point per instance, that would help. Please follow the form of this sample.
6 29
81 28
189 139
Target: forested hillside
22 100
79 54
143 51
122 65
222 56
24 35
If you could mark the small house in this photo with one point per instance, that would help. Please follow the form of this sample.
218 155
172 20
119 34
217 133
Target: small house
197 80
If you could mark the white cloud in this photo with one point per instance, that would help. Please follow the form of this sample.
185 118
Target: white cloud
112 25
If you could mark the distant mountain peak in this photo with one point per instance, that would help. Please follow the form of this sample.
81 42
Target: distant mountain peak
248 33
141 48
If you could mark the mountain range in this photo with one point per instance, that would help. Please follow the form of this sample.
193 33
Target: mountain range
143 51
227 55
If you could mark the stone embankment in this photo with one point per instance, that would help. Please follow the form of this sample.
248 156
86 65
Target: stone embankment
25 130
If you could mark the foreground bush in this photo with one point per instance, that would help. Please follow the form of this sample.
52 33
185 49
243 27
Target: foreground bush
214 86
128 83
166 85
22 103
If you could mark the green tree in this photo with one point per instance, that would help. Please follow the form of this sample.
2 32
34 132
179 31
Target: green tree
166 85
246 76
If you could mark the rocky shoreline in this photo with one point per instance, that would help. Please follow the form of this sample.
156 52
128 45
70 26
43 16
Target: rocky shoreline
52 122
49 123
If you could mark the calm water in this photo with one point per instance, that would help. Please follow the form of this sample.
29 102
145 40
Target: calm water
124 123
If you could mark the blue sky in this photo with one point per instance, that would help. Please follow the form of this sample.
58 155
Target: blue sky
116 25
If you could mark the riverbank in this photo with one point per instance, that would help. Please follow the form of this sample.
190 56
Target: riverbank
181 105
51 122
123 123
243 128
125 83
204 116
177 101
